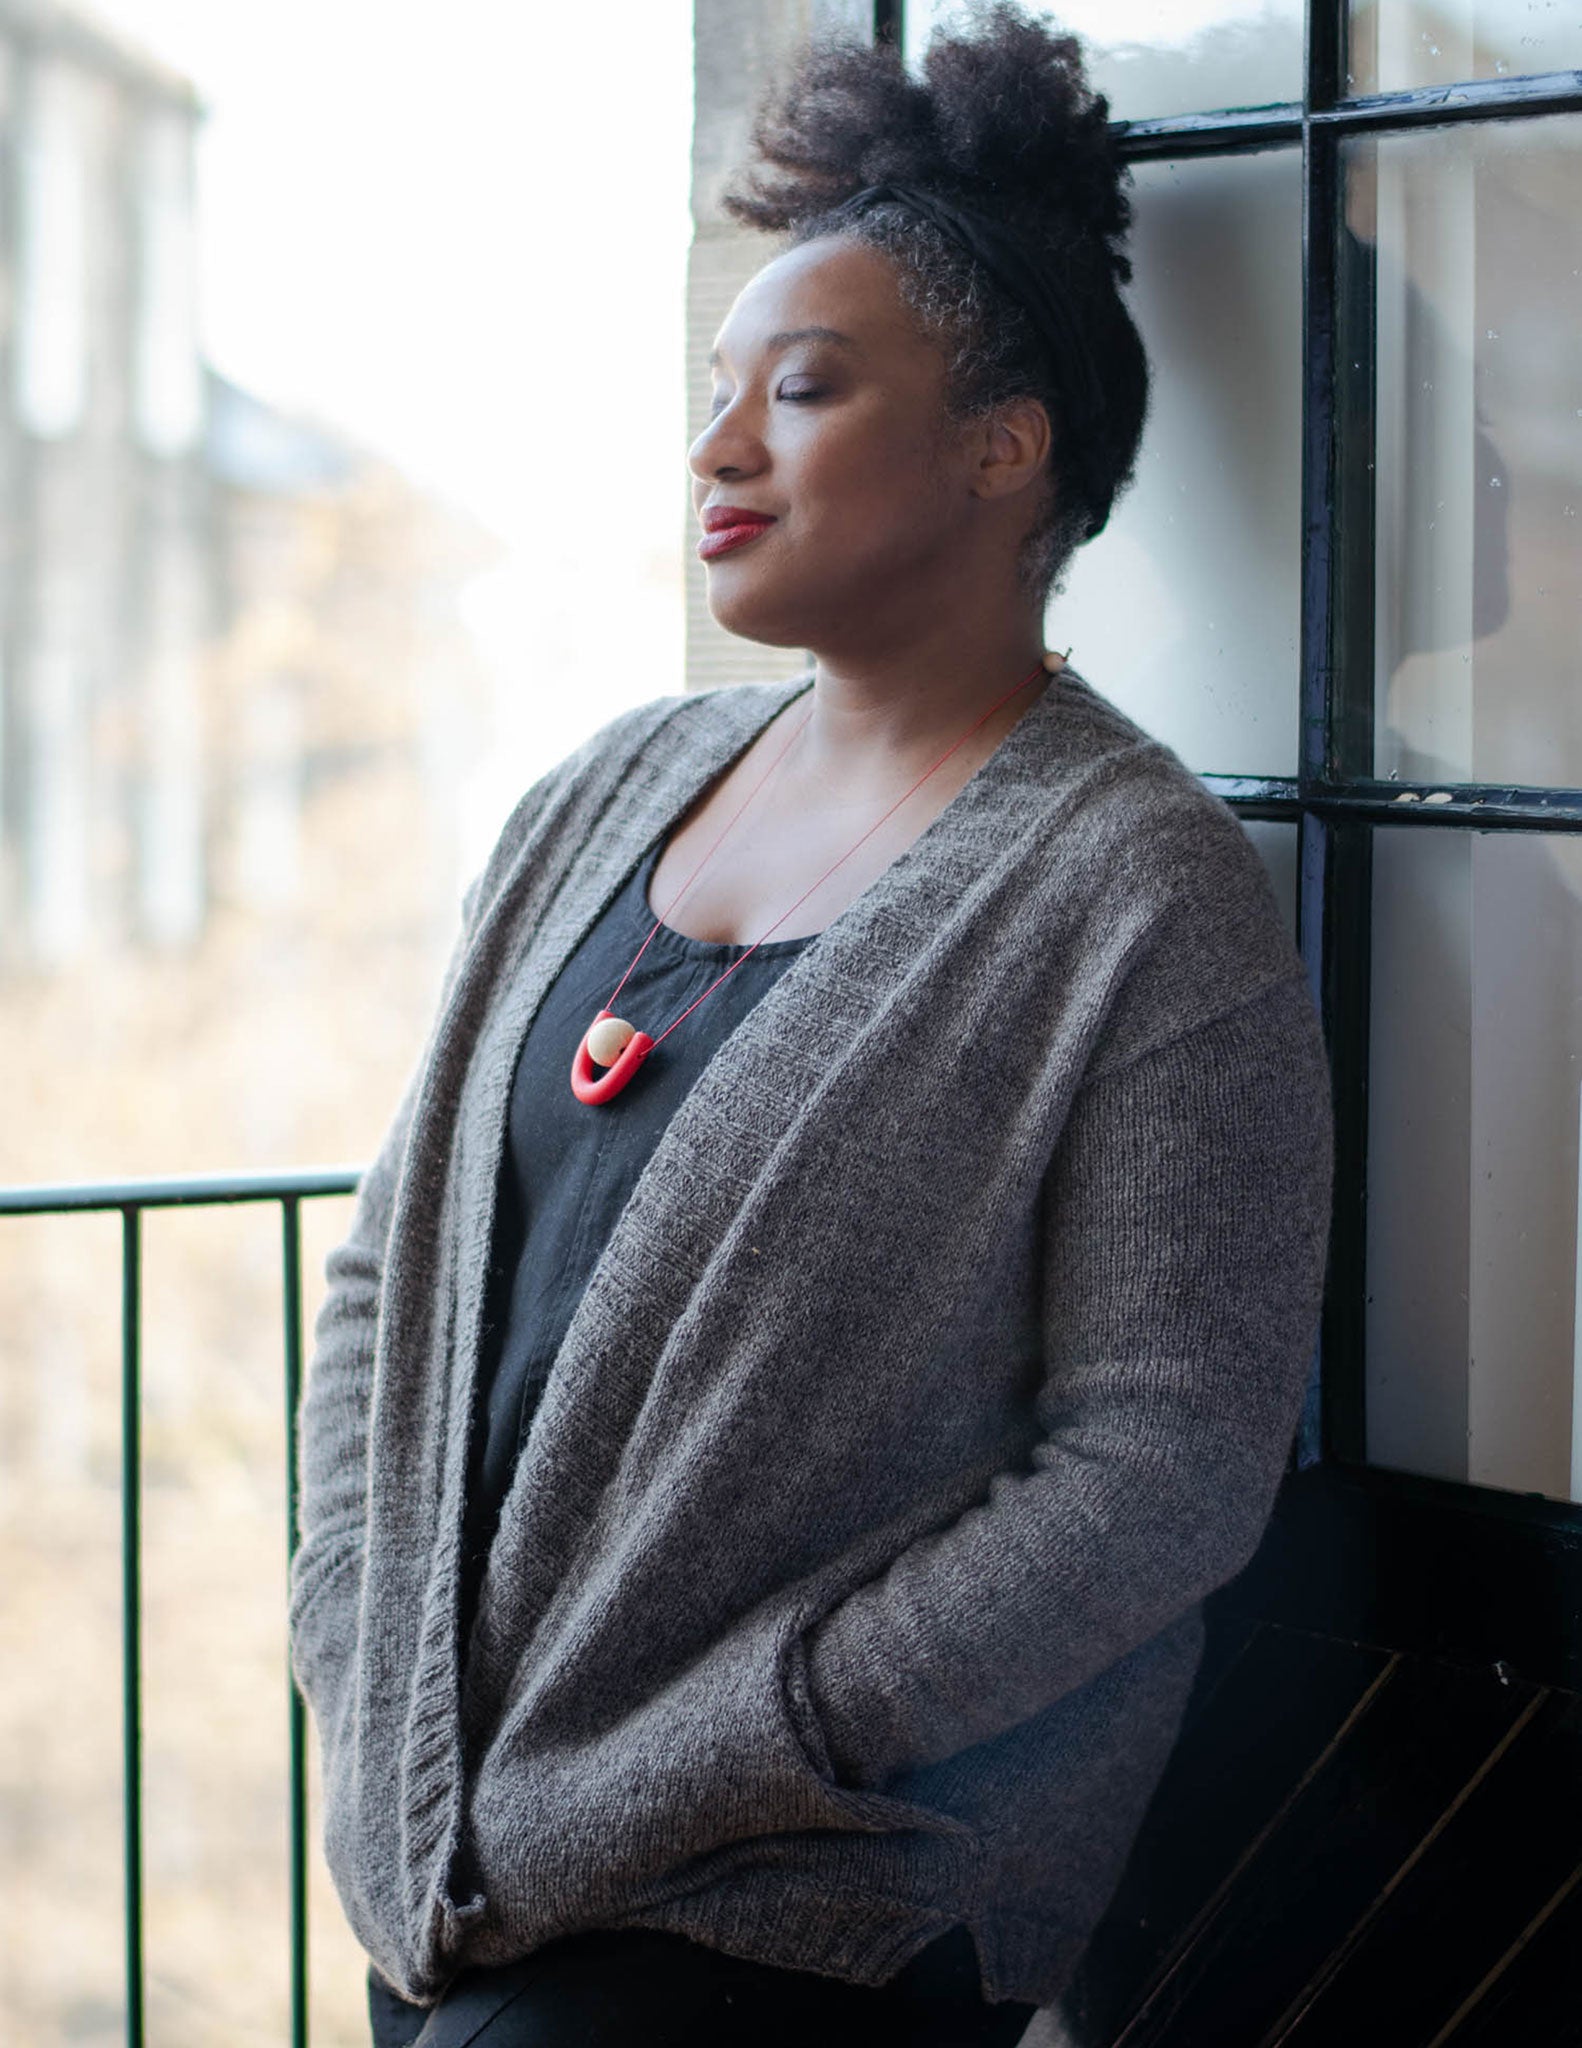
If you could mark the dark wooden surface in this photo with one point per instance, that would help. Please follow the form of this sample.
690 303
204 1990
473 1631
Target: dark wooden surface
1371 1829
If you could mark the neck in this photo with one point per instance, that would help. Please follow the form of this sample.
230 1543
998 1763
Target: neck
872 715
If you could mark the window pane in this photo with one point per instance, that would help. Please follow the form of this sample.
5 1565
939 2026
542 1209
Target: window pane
1474 1345
1156 57
1397 44
1185 610
1478 607
1277 847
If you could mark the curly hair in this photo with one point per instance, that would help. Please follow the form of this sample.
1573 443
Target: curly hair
1003 121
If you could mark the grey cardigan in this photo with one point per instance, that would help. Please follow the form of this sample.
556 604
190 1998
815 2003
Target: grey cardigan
947 1353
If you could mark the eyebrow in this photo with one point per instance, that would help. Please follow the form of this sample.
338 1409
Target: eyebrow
787 335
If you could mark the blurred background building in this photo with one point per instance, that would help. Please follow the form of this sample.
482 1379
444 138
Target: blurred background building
209 612
270 676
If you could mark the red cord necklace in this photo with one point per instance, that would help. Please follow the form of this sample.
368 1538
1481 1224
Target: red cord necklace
613 1043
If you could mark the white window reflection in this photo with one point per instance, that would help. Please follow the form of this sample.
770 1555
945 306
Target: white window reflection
1473 1252
1395 45
1155 57
1478 249
1185 610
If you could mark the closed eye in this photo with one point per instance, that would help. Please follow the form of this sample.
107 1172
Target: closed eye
795 394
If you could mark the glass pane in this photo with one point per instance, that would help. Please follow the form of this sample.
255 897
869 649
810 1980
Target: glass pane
1397 44
1185 610
1277 846
1474 1343
1478 605
1153 57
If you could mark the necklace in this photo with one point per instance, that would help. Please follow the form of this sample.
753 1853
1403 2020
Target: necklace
616 1045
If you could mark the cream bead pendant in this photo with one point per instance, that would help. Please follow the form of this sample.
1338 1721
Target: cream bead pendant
610 1042
608 1039
618 1048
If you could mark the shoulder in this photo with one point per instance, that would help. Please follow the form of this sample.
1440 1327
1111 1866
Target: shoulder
1138 791
1175 898
647 737
680 718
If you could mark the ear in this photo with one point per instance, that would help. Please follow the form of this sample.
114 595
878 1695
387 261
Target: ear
1011 448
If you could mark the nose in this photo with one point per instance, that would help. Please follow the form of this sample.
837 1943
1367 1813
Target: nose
727 447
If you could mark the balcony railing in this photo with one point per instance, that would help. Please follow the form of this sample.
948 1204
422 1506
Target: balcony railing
131 1199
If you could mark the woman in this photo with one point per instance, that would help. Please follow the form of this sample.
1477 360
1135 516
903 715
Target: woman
764 1457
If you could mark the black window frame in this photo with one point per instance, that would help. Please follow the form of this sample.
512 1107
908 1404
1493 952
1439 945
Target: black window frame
1335 801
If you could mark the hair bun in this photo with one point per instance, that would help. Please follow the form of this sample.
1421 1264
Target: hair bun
1001 116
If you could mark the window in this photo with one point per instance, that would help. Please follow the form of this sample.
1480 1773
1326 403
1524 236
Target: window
1345 588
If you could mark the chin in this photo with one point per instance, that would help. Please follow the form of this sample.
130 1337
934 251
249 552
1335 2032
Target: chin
756 616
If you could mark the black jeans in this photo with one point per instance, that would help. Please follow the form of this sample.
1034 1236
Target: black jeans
627 1988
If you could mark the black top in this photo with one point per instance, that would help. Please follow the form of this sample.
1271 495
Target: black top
565 1175
568 1166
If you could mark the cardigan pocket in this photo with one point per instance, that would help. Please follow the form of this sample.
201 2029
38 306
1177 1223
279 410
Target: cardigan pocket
838 1849
640 1804
867 1808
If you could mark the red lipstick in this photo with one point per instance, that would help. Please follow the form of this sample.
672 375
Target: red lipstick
730 526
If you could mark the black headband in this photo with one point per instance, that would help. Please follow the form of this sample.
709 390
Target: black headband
1004 256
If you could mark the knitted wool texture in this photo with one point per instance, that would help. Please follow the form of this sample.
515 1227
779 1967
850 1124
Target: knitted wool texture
946 1355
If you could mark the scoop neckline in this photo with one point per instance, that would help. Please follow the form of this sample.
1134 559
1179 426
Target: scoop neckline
1049 702
683 942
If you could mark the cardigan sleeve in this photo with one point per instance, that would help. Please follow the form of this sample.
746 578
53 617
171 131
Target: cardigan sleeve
332 1417
1185 1220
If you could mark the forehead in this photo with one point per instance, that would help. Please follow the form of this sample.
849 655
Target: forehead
843 288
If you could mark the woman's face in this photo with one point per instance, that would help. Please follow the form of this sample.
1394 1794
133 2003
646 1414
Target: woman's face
829 422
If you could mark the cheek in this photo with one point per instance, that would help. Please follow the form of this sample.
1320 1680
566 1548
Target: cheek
885 480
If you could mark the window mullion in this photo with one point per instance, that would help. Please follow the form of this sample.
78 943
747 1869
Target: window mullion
1334 887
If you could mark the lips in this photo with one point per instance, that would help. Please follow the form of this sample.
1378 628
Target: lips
730 526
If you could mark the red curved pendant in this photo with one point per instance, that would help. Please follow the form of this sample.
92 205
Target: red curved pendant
588 1086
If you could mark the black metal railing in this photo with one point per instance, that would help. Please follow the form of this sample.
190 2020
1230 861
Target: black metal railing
131 1199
